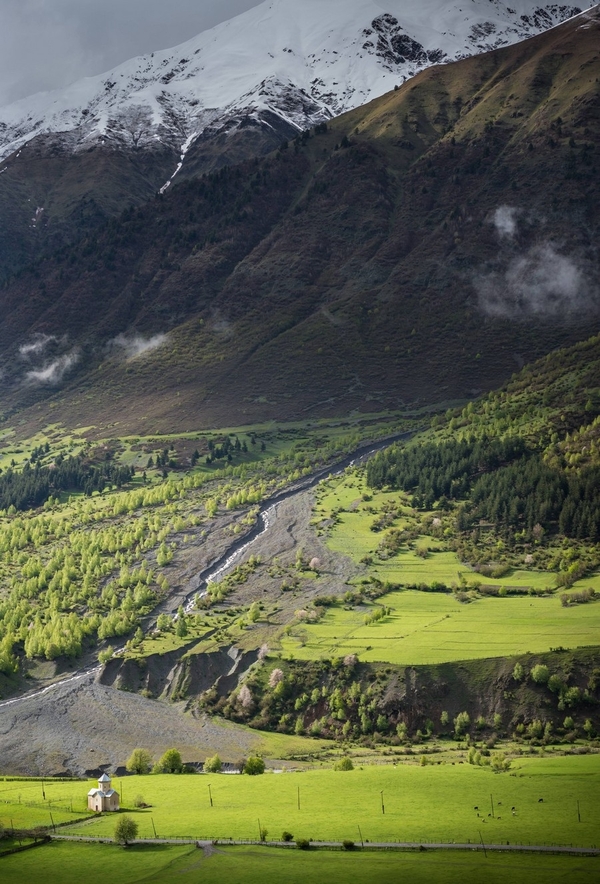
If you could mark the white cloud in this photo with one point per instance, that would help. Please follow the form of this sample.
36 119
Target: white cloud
54 371
36 346
540 282
505 221
133 346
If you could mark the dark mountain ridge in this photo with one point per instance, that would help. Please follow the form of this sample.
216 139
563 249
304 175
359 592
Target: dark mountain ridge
415 250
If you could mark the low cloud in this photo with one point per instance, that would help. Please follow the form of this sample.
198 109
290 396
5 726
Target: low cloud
539 282
36 346
505 220
53 372
132 346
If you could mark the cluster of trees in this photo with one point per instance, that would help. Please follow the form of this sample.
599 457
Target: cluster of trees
501 482
445 470
226 450
34 485
140 762
80 572
321 698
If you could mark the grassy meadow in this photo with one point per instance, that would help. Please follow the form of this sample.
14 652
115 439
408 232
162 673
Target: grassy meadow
431 803
340 501
429 628
69 863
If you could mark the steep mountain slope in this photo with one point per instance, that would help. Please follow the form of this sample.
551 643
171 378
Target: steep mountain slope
76 155
421 248
303 61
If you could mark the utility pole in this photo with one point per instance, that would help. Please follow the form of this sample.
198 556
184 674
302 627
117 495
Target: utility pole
210 795
492 800
382 804
361 837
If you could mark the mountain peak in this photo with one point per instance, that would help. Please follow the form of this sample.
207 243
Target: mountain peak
303 60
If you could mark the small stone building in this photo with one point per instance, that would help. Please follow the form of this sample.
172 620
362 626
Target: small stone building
103 798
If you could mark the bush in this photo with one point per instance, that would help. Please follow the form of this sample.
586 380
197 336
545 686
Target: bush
213 765
254 766
302 844
540 674
287 836
343 764
348 845
499 762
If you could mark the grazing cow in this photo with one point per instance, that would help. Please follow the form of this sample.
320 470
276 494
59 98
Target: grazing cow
540 800
476 807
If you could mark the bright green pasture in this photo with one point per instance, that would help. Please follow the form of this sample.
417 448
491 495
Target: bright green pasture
63 863
428 627
23 805
432 803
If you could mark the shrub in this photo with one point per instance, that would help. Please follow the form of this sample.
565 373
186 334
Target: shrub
302 844
499 762
287 836
348 845
254 766
344 764
213 765
518 672
540 674
106 655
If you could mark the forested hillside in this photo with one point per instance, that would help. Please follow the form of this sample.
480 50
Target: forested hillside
522 463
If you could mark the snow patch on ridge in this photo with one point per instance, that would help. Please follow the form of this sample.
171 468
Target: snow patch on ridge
303 60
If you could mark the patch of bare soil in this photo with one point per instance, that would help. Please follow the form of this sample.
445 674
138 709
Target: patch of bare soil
83 726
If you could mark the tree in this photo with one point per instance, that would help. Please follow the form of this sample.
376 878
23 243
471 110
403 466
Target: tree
275 678
213 765
106 655
518 672
139 762
126 830
461 723
254 766
181 630
170 762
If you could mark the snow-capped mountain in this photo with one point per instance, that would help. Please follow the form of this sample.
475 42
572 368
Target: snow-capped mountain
301 60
